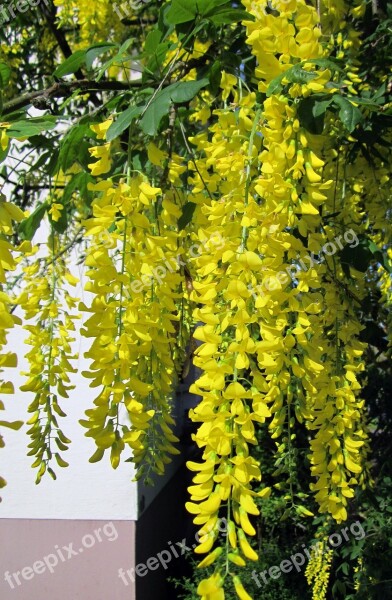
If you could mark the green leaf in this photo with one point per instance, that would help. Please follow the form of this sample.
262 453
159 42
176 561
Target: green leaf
52 166
122 122
187 213
311 113
363 102
183 11
157 59
380 256
5 74
225 16
359 257
298 75
29 226
208 7
349 114
70 148
326 63
379 95
30 127
320 106
81 57
79 183
295 74
215 76
43 159
275 86
94 51
152 41
339 587
139 160
345 568
71 64
184 91
115 59
158 108
15 425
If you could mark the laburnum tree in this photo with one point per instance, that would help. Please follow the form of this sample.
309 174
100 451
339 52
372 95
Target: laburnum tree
221 169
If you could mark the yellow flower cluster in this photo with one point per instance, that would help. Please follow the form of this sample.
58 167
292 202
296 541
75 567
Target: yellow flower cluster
318 570
279 40
231 405
292 163
46 301
358 570
136 317
8 213
289 347
91 20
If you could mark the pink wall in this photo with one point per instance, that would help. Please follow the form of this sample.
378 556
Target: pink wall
66 560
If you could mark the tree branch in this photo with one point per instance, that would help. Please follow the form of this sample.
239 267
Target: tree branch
63 89
138 22
41 98
49 14
50 17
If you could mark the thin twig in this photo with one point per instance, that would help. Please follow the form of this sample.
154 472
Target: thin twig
64 88
194 160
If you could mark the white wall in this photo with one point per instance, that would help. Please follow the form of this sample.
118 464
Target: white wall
81 491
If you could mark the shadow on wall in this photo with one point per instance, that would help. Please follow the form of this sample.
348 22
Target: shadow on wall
163 534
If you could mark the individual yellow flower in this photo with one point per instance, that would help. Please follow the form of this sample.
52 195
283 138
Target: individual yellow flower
101 129
56 210
103 165
211 588
4 139
227 83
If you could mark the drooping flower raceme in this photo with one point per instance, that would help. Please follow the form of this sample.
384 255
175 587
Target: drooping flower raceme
9 213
